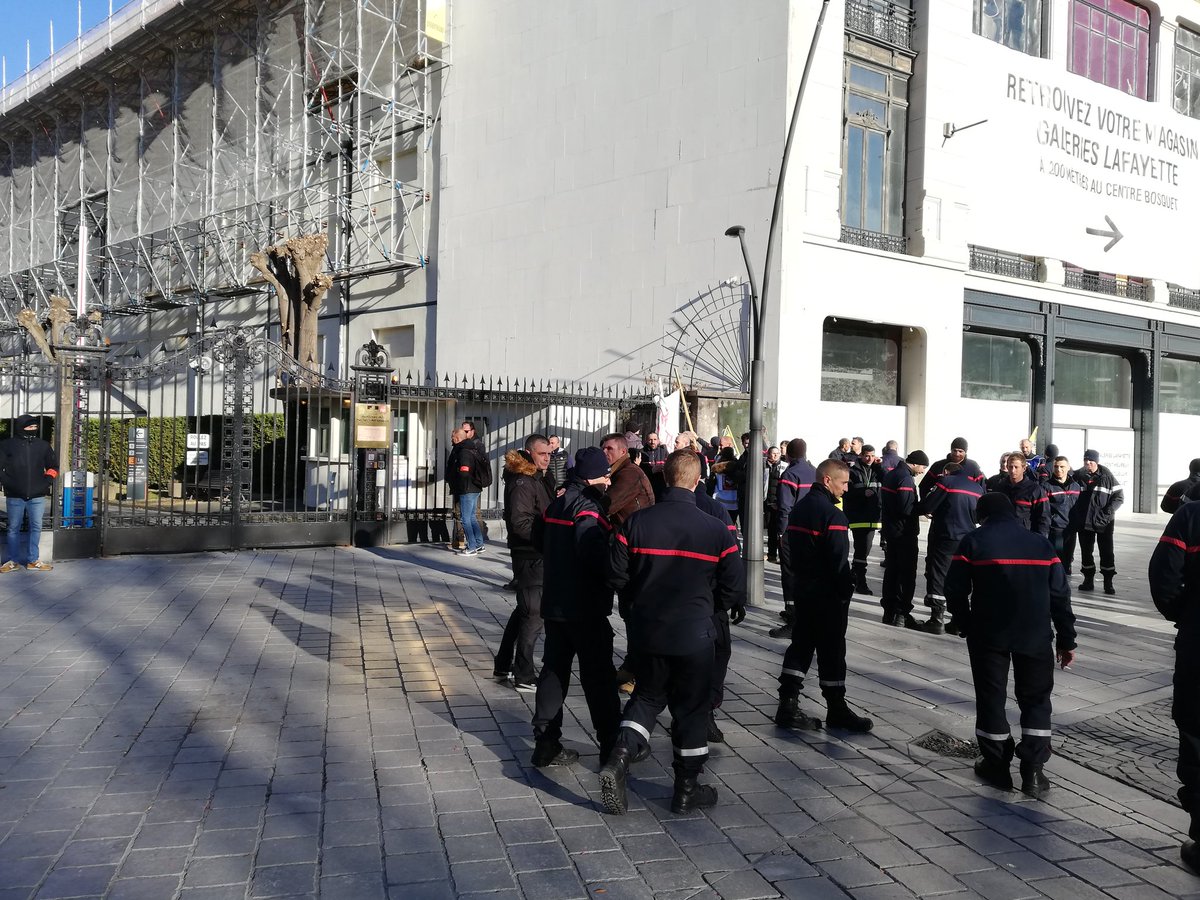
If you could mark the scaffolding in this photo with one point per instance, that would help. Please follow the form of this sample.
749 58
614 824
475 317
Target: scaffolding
162 148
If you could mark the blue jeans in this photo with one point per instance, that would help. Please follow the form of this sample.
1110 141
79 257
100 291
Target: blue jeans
17 510
467 504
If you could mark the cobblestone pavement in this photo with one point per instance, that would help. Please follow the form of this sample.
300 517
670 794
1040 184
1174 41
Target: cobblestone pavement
295 723
1137 746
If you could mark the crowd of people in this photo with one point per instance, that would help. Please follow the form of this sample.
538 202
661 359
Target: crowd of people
656 529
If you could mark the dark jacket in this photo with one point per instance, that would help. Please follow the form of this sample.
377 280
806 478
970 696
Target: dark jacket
899 513
995 483
861 502
527 494
889 460
1006 587
1178 493
572 535
652 464
1030 502
818 538
771 488
462 468
1100 496
28 464
967 467
559 463
628 491
1175 575
794 483
1060 497
951 503
676 566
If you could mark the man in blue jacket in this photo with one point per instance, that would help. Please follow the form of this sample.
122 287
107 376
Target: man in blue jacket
676 565
1009 595
28 467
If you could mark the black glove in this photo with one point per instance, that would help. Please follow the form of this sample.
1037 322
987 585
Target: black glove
737 614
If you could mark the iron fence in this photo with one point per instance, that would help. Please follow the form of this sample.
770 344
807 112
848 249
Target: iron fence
888 21
1106 283
999 262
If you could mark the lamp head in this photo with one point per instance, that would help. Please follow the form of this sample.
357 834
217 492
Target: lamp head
735 231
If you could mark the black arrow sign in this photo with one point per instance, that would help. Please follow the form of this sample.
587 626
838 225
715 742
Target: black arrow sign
1113 232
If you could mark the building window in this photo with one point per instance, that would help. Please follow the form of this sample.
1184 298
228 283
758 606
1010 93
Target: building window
1110 44
1087 378
1013 23
860 363
1179 386
995 367
876 120
1187 73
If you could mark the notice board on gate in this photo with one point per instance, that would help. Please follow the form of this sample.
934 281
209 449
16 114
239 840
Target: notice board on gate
372 425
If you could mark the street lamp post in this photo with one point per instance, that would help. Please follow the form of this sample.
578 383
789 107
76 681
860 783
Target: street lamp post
752 528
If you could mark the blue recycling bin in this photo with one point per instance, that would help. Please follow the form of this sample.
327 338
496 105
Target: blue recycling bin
70 518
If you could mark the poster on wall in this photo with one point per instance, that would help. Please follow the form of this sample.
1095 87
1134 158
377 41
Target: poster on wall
1063 167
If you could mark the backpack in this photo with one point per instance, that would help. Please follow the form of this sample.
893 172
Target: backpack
482 473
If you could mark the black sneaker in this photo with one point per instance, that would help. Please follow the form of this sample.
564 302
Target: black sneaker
555 754
1034 782
783 631
525 687
996 775
501 674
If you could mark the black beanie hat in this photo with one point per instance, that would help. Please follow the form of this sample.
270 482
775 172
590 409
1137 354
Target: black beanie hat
993 504
1194 466
959 443
917 458
1051 451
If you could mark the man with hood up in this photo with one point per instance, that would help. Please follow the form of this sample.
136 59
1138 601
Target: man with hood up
528 491
28 467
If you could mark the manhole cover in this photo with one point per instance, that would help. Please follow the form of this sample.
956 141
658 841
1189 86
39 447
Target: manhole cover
947 745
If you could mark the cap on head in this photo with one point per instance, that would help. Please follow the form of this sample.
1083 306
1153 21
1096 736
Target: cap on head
992 504
917 458
590 463
25 421
1091 456
959 443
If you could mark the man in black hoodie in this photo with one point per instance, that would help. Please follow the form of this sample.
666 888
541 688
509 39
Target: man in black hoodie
1182 491
28 468
527 493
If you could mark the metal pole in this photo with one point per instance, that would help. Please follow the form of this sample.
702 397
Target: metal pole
752 528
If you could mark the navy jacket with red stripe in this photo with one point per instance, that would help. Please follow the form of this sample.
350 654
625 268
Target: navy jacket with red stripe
1031 503
794 483
818 535
1060 497
1175 570
952 505
967 467
675 566
1006 588
572 536
899 504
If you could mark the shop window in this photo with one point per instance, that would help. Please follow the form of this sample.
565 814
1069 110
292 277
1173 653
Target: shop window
1087 378
1014 23
995 367
1187 72
860 363
1110 44
1179 386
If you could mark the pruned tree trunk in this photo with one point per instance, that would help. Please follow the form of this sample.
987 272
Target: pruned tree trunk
58 318
293 268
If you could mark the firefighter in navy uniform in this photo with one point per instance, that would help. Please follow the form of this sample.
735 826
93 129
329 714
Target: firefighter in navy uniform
1175 588
1182 491
1006 589
822 585
675 566
572 536
862 507
1061 493
901 529
794 483
1100 496
1026 494
958 455
951 505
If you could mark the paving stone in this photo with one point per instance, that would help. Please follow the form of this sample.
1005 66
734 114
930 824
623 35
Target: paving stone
552 885
996 884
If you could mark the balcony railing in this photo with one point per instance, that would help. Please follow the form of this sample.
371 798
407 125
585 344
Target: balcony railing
1106 283
888 21
1186 298
890 242
998 262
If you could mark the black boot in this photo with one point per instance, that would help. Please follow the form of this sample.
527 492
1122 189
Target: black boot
783 631
1089 581
788 612
994 773
690 794
935 624
860 582
715 735
612 781
789 716
1190 854
901 620
840 715
552 753
952 627
1034 782
1108 582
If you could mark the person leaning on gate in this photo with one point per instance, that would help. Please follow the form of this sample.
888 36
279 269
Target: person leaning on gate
527 493
951 507
1100 496
1010 597
28 467
1175 588
677 566
572 535
822 587
902 530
